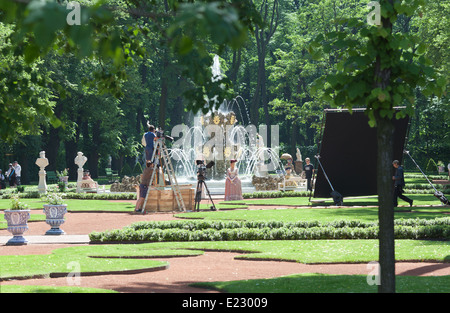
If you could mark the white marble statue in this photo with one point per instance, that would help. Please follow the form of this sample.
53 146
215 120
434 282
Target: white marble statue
42 162
299 155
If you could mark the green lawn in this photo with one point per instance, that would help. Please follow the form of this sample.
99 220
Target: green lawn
419 199
104 258
322 283
308 214
77 205
98 259
101 258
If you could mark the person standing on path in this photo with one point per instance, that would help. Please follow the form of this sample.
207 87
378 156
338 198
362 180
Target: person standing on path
11 175
399 183
309 169
18 171
233 186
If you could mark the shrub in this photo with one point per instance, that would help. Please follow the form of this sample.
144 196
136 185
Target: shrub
438 228
137 170
126 170
431 166
275 194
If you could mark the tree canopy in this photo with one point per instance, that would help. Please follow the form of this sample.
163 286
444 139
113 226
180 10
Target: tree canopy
135 61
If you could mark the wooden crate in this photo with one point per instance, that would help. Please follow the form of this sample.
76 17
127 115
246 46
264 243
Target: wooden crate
164 200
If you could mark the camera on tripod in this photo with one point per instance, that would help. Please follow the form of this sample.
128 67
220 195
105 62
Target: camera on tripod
201 176
159 132
201 169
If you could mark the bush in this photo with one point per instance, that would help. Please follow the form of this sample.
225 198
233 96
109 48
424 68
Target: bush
275 194
282 233
137 170
431 166
438 228
126 170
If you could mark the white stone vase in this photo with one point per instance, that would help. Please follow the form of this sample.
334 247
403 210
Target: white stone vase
54 214
64 179
17 224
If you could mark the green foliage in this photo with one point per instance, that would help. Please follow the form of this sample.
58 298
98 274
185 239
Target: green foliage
101 196
431 166
61 186
438 228
324 283
39 26
126 170
275 194
130 51
53 198
24 99
137 169
16 204
378 68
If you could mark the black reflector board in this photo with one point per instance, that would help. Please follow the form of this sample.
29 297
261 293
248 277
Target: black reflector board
348 154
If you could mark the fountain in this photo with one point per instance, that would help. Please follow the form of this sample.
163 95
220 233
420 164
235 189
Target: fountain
221 136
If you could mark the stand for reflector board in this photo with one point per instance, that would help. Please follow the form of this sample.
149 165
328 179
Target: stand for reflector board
337 197
438 194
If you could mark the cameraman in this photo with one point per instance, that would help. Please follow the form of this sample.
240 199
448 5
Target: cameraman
148 141
143 186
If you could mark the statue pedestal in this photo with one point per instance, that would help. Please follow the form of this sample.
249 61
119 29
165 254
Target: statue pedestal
79 179
42 162
298 167
42 186
80 160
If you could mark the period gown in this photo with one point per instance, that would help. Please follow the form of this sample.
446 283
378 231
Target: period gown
233 187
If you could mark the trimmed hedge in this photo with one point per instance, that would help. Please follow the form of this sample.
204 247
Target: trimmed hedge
438 228
74 195
410 189
102 196
275 194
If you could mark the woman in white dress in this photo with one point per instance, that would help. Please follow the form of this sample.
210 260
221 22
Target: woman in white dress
233 187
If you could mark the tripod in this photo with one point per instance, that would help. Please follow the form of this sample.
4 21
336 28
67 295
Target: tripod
198 195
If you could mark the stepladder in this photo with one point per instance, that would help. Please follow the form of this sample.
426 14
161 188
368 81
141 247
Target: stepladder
162 167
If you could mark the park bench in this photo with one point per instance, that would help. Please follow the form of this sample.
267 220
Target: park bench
51 177
111 174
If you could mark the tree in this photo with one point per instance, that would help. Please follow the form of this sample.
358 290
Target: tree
269 11
25 100
379 68
32 36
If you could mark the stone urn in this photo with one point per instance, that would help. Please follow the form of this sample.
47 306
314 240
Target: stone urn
54 214
64 179
17 224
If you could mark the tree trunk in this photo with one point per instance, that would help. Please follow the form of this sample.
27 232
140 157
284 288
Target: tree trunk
263 36
93 164
71 153
164 94
235 66
53 141
385 133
